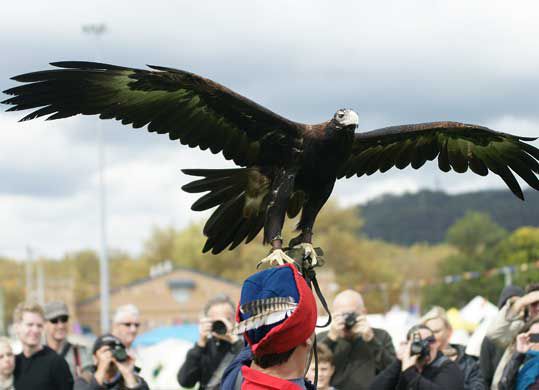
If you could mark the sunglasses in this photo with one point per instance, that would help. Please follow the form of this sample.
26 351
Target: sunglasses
62 319
130 324
430 339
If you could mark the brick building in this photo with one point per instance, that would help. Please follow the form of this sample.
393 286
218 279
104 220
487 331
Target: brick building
169 296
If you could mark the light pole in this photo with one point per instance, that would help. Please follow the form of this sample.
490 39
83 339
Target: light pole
98 30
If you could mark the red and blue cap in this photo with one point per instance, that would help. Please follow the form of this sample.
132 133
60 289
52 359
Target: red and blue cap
277 310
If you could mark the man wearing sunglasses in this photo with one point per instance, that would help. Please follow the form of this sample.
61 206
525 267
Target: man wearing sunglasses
56 332
420 366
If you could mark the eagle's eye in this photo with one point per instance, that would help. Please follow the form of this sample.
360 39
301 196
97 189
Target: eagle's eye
340 115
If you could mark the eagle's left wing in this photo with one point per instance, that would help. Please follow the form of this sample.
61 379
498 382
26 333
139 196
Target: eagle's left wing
457 145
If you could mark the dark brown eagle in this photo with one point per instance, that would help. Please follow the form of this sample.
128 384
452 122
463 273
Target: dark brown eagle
285 167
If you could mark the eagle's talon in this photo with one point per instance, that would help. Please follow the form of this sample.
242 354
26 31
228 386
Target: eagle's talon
309 251
275 258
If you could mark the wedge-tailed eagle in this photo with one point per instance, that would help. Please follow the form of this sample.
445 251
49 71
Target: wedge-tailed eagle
284 167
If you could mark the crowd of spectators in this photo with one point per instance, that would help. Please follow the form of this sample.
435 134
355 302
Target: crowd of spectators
266 341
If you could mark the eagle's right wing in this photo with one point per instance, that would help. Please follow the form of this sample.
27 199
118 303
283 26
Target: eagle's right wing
197 111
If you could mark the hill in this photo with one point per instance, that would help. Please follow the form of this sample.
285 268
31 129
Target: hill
425 216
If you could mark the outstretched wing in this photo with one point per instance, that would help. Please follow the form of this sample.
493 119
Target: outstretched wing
457 145
197 111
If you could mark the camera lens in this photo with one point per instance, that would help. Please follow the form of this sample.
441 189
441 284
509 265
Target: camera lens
119 353
219 327
350 320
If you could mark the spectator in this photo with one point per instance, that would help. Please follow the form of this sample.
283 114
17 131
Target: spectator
425 368
56 330
125 326
113 368
326 368
215 349
491 353
522 371
37 366
277 317
7 365
437 321
509 322
360 351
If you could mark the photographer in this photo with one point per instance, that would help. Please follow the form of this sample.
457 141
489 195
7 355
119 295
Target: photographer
509 322
215 348
522 371
360 352
113 368
436 319
421 366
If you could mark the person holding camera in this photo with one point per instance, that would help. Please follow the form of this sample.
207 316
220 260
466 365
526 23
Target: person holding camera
360 351
436 319
113 368
522 371
509 322
420 366
215 349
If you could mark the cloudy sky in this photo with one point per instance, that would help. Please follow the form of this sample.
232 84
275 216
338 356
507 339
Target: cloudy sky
392 61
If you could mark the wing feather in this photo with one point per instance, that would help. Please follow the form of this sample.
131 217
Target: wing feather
458 147
194 110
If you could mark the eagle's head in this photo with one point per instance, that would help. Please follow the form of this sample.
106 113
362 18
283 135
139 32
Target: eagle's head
345 119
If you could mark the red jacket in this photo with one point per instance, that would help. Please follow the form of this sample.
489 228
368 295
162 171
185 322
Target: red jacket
256 380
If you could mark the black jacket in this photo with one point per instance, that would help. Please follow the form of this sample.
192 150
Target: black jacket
44 370
469 365
358 362
490 356
200 363
441 374
86 381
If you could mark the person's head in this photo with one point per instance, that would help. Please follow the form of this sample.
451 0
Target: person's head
436 320
349 305
103 349
126 323
29 319
349 301
221 306
424 333
533 308
7 359
57 321
509 292
326 367
286 313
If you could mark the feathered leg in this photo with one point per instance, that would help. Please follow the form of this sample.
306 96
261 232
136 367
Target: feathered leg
308 216
281 190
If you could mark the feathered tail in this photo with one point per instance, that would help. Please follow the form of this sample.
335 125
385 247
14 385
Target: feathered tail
241 196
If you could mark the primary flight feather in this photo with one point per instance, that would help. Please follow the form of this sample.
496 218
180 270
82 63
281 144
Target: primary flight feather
285 167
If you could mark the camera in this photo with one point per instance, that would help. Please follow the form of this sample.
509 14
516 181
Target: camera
420 346
119 352
219 327
350 320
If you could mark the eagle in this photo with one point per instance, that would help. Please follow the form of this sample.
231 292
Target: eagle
284 168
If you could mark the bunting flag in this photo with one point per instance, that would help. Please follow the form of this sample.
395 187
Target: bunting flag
449 279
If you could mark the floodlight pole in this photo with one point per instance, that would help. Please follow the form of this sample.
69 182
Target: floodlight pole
98 30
